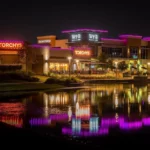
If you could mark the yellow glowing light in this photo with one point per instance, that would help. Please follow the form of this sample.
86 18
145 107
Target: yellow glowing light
69 58
82 52
69 113
83 112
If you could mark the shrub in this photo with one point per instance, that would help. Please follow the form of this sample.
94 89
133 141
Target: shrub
17 76
62 80
5 68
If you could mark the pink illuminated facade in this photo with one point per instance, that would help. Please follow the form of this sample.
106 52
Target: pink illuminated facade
85 45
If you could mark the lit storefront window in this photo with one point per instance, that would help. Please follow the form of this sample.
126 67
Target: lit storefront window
58 66
58 99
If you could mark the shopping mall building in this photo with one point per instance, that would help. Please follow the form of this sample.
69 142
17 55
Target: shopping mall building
78 52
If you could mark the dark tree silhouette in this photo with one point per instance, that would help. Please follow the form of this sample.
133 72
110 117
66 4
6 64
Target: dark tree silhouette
122 66
27 55
103 58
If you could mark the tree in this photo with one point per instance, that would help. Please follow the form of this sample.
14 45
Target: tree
27 55
122 66
110 64
103 58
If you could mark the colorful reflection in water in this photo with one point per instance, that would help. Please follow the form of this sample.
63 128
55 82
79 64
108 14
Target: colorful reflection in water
93 111
96 128
39 121
12 120
12 108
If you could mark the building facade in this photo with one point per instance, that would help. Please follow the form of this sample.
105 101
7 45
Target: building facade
78 52
85 45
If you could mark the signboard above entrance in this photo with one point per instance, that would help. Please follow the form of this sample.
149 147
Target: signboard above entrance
79 37
11 45
44 41
82 53
76 37
93 37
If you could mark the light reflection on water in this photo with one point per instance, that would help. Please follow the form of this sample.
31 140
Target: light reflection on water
85 112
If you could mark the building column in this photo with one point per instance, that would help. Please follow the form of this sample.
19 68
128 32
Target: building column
99 50
46 56
139 53
45 67
128 52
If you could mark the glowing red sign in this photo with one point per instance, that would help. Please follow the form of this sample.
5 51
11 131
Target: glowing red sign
82 53
11 45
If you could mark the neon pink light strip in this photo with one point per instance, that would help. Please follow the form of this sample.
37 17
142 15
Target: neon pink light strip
146 39
40 46
10 41
81 30
115 40
130 36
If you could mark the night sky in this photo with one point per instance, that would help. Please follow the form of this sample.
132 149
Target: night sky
27 20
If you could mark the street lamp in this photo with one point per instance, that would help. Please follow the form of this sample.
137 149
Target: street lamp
69 58
116 63
77 62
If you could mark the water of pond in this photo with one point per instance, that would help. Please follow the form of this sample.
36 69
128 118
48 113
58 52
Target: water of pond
94 111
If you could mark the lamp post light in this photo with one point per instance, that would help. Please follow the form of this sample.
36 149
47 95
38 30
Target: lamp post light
69 58
116 63
77 63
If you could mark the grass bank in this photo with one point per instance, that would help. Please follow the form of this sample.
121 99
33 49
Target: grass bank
21 89
11 87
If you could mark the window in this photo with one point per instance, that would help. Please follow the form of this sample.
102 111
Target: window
144 53
134 52
113 52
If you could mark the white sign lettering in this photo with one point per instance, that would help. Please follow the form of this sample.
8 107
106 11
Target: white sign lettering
44 41
76 37
82 52
93 37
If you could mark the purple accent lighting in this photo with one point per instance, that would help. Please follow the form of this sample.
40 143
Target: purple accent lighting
67 131
124 36
146 121
57 117
39 121
85 133
40 46
11 41
103 131
131 125
114 40
82 30
107 122
146 39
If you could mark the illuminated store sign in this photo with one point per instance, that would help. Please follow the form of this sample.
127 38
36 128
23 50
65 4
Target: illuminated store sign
82 52
76 37
44 41
93 37
11 45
